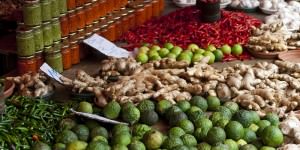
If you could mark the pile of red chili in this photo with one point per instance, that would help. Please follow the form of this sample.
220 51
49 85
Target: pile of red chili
183 27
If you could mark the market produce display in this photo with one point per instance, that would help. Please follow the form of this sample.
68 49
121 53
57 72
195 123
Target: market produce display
27 120
198 123
288 13
183 27
32 85
192 55
272 5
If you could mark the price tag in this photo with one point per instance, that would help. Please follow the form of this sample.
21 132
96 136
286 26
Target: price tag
51 72
106 47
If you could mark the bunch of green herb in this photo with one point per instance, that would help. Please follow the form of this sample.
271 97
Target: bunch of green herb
26 120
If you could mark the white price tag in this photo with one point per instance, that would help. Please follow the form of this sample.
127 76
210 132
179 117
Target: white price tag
106 47
51 72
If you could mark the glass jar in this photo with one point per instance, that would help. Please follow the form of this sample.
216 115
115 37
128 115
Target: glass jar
73 37
80 13
65 40
38 38
124 3
125 22
73 21
110 6
46 10
117 4
63 8
140 15
81 32
161 6
80 3
155 8
55 8
96 30
89 13
111 29
32 13
75 53
96 11
26 65
89 29
118 27
47 34
56 32
48 49
148 9
64 25
102 8
66 57
25 43
71 4
131 18
54 59
39 59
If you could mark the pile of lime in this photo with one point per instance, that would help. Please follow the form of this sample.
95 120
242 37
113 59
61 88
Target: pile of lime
191 55
196 124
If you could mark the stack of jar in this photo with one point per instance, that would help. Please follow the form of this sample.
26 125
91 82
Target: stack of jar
38 38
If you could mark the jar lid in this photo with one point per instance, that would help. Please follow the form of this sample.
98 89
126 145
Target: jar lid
123 8
65 46
46 23
88 34
62 15
104 26
36 27
72 34
140 5
63 38
96 22
117 18
87 4
56 42
74 42
78 8
131 10
26 57
39 52
56 51
80 30
102 18
31 1
81 38
89 26
55 19
71 11
96 30
24 30
110 22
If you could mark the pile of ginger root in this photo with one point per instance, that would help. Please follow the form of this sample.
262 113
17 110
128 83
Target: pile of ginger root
263 87
32 84
272 38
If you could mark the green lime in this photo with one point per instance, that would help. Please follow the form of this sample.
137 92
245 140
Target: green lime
40 146
98 146
187 126
199 51
272 136
267 148
67 124
149 117
100 139
220 146
184 57
169 46
237 49
225 111
254 127
153 139
145 105
249 135
226 49
204 123
222 122
120 128
163 52
234 130
231 144
172 110
122 139
119 147
192 110
176 117
210 48
112 110
255 117
216 116
184 105
155 47
189 140
140 129
181 147
216 135
176 50
196 115
262 124
152 53
176 132
218 55
155 58
77 145
82 132
200 102
245 117
57 146
162 106
136 145
232 106
203 146
192 47
172 142
99 131
85 107
66 137
143 49
172 56
210 55
248 147
257 143
131 115
142 58
189 52
197 57
273 118
213 103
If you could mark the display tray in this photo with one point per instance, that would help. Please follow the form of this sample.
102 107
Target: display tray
268 11
263 55
292 56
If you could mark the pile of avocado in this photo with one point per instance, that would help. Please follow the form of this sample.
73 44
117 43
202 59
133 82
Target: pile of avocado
198 124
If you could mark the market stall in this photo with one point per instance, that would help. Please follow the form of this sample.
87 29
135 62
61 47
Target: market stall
137 75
